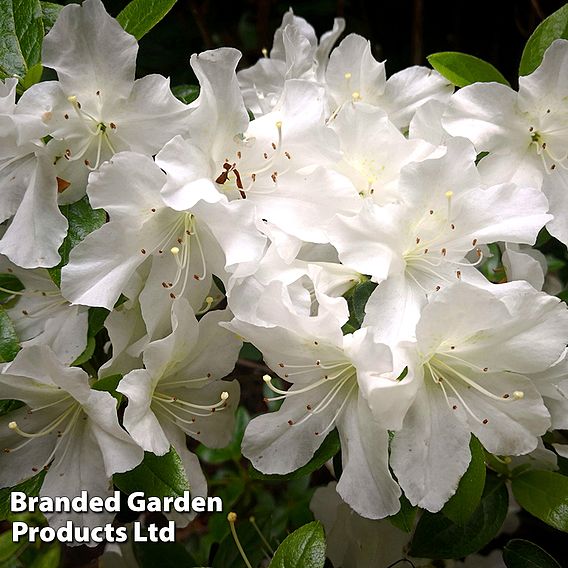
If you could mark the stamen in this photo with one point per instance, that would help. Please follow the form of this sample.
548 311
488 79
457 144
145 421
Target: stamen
232 517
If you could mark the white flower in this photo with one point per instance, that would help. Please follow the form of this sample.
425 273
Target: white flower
313 355
181 249
295 54
66 427
178 391
96 108
476 352
525 133
353 75
28 187
42 316
419 245
276 163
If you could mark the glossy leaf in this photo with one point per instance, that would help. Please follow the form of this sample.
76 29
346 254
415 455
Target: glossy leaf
305 547
436 536
524 554
50 13
9 282
140 16
404 519
83 219
470 489
9 343
186 93
462 69
21 37
156 476
544 494
30 487
553 27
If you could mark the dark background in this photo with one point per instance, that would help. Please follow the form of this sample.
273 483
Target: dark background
403 32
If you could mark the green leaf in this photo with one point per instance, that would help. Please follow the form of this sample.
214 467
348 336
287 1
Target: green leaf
462 69
97 317
544 494
553 27
358 300
156 476
470 489
9 343
404 519
305 547
140 16
83 219
50 12
186 93
21 36
9 282
524 554
48 559
324 453
9 405
250 352
87 353
30 487
436 536
109 384
9 550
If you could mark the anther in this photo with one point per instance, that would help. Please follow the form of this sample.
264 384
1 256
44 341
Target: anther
347 75
174 251
518 395
355 96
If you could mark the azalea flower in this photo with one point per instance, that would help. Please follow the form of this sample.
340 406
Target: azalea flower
418 246
295 54
28 187
41 315
312 354
525 133
66 428
180 250
276 163
476 350
178 391
96 108
354 75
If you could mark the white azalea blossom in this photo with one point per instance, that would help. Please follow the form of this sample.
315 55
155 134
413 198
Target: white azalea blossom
96 108
295 54
525 133
41 315
66 428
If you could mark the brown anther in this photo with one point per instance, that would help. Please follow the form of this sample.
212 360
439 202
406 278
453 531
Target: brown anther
458 274
506 395
452 226
485 369
286 375
265 156
425 251
437 288
553 166
318 362
281 365
172 296
431 211
78 105
290 422
544 145
454 407
87 163
308 407
417 240
443 252
273 176
196 277
153 209
112 125
452 346
531 128
547 111
179 240
208 375
25 312
239 154
165 284
98 93
316 343
66 116
474 242
273 146
62 185
253 177
287 154
160 251
485 421
34 469
143 251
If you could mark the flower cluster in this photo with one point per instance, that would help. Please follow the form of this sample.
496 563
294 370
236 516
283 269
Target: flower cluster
337 219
